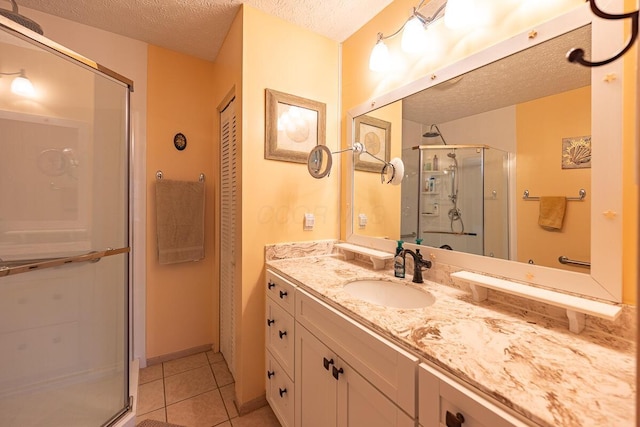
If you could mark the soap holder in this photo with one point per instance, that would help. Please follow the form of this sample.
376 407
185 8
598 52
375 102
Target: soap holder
378 258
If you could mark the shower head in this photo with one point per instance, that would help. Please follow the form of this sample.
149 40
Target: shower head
434 133
452 155
15 16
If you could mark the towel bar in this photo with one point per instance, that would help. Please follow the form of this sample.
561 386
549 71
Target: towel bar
160 176
582 193
564 260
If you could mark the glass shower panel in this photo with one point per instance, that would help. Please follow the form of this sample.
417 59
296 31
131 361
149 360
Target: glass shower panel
64 187
496 203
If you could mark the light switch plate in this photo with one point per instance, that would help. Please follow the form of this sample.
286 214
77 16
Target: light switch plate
309 221
362 220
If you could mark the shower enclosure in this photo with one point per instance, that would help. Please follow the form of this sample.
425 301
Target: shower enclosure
64 236
461 195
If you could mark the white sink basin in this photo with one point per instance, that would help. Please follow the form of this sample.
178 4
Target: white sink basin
389 294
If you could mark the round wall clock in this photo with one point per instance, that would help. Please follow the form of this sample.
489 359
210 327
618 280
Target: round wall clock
180 141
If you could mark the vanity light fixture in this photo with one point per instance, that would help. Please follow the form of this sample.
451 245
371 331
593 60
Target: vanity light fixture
21 85
458 14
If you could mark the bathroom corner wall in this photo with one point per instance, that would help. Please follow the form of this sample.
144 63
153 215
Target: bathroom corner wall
276 194
180 313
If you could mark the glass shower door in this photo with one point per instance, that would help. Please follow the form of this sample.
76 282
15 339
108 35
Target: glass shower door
64 239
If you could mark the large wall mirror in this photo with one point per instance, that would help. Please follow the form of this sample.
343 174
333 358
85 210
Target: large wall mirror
475 137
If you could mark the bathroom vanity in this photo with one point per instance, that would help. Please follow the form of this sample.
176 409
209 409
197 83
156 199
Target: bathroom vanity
334 359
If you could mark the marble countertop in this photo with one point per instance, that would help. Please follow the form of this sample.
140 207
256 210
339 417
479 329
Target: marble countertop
525 361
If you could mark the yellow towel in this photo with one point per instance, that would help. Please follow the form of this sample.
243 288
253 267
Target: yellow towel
552 212
180 221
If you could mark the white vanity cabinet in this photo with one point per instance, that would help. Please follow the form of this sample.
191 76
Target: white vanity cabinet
445 403
280 341
346 375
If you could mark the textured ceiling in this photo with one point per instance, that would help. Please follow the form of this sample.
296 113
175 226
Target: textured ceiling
533 73
198 27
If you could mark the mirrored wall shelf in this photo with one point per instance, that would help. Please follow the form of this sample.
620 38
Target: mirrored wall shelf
378 258
577 307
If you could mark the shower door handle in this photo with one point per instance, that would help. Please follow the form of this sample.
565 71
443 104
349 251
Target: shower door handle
9 268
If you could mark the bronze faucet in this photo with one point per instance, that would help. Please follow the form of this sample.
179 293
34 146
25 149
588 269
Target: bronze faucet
418 264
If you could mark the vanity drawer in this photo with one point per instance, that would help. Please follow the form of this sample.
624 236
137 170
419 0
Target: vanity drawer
385 365
281 291
279 336
438 395
280 392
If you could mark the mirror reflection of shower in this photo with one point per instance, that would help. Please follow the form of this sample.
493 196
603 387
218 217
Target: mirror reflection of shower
451 210
455 215
434 132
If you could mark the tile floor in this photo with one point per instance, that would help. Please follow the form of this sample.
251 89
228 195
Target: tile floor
195 391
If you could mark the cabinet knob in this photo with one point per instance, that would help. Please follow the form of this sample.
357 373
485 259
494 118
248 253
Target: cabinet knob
454 420
270 322
282 334
283 294
270 374
271 285
337 372
282 391
327 362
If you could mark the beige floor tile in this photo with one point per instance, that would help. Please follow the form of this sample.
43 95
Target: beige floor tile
224 424
222 373
215 357
228 397
150 373
188 384
157 415
263 417
204 410
183 364
150 397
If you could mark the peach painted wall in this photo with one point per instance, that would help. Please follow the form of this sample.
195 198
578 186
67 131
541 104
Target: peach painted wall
541 125
377 201
180 312
275 194
631 171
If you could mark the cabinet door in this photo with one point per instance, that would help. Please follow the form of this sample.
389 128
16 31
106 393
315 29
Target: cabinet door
280 392
315 385
361 404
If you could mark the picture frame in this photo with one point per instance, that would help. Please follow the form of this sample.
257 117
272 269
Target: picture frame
375 136
294 125
576 152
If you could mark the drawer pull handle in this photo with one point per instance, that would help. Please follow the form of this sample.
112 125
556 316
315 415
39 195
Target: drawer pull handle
282 391
327 363
283 294
271 285
282 334
270 322
337 372
270 374
454 420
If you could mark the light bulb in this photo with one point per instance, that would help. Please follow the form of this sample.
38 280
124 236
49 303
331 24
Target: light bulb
459 14
379 59
22 86
413 36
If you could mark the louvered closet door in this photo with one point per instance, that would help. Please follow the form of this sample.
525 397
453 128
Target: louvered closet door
228 183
